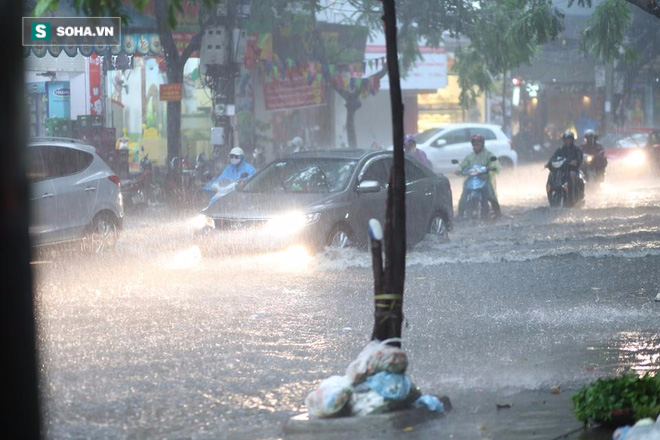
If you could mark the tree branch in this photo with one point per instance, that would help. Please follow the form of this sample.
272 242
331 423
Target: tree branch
650 6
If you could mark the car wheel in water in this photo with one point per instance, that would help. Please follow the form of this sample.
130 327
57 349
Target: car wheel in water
505 164
339 237
438 226
102 235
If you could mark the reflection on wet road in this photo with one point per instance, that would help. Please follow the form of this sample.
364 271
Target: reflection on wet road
156 341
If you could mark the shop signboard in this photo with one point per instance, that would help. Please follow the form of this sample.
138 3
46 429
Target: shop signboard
59 99
293 93
171 92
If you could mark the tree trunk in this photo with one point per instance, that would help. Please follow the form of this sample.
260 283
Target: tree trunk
20 395
174 75
388 314
174 64
353 104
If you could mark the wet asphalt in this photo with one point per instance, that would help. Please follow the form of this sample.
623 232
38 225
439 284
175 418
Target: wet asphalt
154 341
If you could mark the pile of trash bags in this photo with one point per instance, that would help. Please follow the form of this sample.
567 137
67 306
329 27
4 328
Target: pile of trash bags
374 383
644 429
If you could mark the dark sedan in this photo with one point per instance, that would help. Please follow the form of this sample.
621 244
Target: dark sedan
324 198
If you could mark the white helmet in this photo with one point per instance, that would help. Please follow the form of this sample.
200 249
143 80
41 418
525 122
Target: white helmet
589 132
237 151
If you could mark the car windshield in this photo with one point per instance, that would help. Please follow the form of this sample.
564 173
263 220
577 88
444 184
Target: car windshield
426 135
633 141
303 175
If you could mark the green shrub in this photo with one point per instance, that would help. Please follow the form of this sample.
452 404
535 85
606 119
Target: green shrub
597 400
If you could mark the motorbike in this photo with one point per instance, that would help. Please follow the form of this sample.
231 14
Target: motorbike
589 169
219 190
475 187
136 189
558 185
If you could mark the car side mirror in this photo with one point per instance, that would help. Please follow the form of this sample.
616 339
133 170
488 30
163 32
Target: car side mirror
440 143
454 161
368 186
493 158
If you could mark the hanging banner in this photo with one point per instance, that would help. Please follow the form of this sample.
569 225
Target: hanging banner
95 104
293 93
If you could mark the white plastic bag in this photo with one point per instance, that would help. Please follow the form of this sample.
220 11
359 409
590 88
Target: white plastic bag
330 397
375 357
366 403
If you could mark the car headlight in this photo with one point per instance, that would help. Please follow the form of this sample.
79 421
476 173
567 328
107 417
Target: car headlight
635 159
291 223
201 221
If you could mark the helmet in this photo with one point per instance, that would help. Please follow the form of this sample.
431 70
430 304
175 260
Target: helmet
237 151
409 138
568 134
589 133
145 163
478 138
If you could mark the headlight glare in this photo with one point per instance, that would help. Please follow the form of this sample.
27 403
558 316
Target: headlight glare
291 223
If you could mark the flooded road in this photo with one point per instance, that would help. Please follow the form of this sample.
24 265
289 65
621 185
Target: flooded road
155 341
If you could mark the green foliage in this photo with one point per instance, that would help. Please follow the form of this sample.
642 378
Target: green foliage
473 76
114 8
597 400
503 35
603 37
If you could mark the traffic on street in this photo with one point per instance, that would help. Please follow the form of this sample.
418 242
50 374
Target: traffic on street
156 340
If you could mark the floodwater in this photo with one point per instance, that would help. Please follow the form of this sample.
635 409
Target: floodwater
155 341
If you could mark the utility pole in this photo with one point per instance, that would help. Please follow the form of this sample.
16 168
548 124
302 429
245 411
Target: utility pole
609 94
218 64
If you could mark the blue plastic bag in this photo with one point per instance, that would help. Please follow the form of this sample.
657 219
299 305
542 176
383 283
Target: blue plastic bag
431 403
390 385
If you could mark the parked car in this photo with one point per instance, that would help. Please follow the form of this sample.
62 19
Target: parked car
452 141
633 148
74 195
324 198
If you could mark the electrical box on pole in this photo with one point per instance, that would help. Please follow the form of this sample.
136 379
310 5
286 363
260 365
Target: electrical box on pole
214 49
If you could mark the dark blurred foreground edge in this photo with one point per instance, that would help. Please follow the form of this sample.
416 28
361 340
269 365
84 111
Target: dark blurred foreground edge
20 398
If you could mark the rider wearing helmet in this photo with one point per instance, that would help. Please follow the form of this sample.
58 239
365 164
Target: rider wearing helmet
410 146
573 155
594 148
238 169
480 156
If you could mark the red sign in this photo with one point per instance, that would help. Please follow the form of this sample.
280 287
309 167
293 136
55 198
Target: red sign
293 93
95 103
171 92
182 40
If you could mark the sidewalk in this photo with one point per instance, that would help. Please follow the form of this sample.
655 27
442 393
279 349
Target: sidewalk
475 415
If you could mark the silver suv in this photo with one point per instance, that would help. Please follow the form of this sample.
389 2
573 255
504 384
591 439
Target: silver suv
74 195
452 141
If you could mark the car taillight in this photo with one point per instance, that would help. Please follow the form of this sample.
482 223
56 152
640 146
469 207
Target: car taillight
511 145
115 180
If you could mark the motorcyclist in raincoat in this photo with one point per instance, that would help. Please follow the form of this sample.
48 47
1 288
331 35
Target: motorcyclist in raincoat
481 156
595 149
574 156
410 146
238 169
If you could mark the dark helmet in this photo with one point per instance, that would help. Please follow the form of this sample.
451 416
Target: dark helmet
568 134
478 138
145 163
